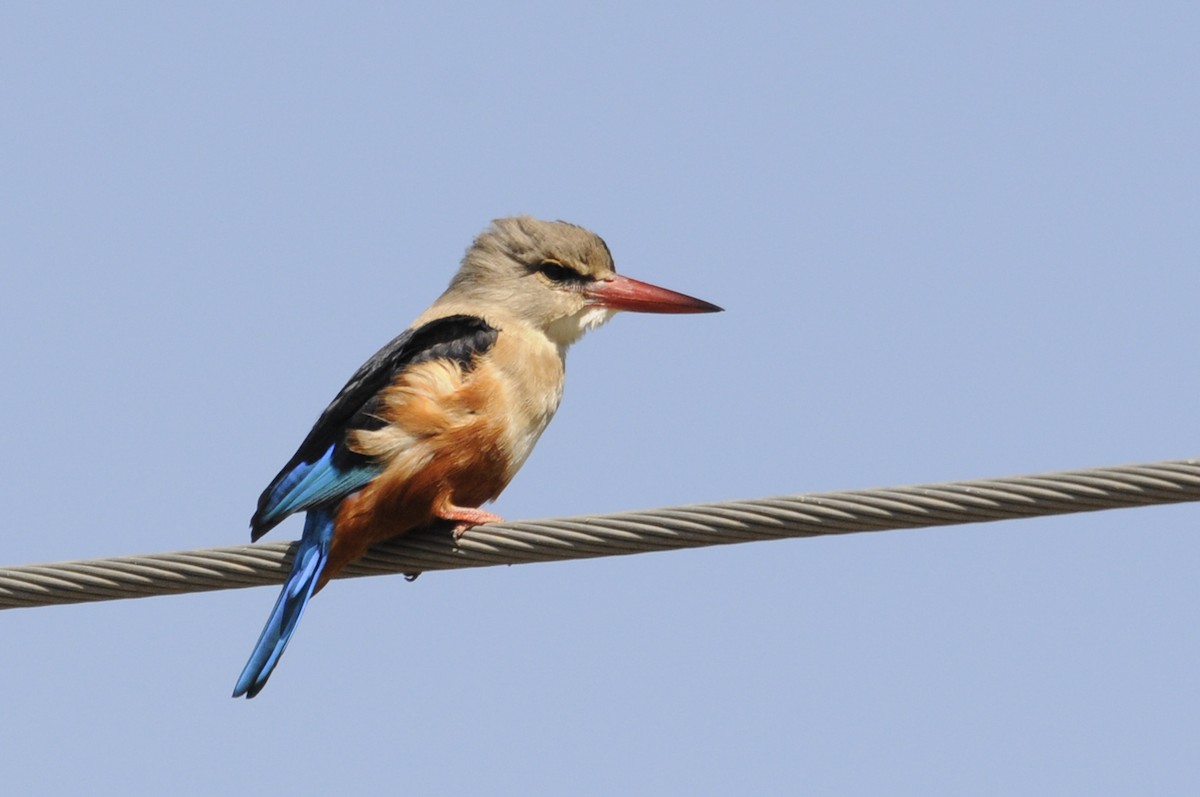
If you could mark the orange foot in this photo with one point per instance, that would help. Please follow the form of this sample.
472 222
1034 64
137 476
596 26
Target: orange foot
465 518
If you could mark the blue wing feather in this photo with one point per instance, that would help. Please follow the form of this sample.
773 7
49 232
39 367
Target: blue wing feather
312 484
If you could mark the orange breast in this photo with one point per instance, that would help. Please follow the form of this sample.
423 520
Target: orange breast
444 441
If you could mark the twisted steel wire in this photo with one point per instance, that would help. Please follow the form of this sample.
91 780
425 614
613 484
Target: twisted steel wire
621 533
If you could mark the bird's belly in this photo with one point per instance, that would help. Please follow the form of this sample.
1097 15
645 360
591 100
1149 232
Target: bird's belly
463 462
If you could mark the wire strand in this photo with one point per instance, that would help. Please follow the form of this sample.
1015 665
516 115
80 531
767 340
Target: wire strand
617 534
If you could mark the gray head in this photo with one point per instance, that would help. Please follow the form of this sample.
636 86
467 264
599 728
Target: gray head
556 276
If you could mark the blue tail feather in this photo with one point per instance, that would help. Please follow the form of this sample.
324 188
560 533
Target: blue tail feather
310 561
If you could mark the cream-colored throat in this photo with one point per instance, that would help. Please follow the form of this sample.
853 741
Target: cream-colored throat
566 331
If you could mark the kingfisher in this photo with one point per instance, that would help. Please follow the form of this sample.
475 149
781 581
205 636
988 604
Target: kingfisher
439 420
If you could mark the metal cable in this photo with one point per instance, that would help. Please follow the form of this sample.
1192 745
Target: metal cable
621 533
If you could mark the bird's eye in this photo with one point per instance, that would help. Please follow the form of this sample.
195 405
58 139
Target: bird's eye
557 272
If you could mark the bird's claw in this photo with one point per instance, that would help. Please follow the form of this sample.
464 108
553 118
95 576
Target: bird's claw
467 518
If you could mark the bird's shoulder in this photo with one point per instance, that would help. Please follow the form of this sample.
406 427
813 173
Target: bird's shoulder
459 338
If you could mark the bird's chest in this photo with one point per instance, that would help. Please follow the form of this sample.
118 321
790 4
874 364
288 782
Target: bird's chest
468 430
530 374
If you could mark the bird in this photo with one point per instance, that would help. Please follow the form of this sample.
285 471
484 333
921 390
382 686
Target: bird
440 419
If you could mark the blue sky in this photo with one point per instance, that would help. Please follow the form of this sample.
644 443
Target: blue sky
953 241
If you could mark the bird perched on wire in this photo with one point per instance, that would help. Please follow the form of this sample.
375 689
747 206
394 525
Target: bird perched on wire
439 420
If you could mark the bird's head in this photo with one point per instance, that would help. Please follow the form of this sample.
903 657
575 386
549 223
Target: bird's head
556 276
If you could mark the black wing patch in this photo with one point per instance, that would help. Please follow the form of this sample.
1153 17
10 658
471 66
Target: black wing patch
460 338
456 337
